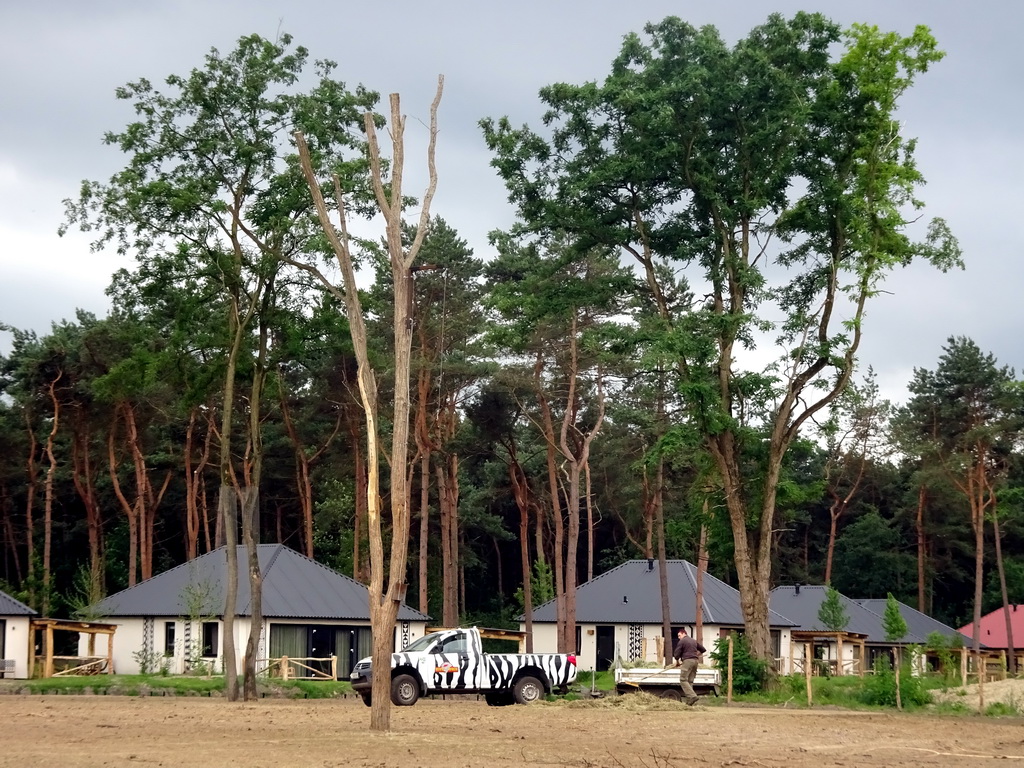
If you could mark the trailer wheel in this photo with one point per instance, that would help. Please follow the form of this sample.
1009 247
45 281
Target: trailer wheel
405 691
527 690
367 699
672 694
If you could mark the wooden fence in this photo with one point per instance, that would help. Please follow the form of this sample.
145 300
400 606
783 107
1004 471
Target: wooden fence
291 668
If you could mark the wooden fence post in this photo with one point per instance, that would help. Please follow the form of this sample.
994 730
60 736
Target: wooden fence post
807 673
728 694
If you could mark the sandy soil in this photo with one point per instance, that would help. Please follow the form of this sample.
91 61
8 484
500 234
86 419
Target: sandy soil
1009 692
113 731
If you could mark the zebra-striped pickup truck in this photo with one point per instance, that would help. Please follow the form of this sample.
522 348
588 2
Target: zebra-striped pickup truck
453 661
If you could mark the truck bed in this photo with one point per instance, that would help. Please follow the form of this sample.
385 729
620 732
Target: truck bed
664 681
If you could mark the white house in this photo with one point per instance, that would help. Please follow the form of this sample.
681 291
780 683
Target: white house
174 621
619 615
15 637
863 641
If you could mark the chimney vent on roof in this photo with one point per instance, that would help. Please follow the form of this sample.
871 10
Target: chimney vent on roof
796 589
650 564
625 599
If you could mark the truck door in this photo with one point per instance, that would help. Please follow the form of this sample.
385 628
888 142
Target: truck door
459 668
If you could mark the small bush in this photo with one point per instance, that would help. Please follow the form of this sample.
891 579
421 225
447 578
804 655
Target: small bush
748 673
880 688
1002 709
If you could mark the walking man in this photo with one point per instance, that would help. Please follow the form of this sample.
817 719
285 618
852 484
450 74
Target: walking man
687 653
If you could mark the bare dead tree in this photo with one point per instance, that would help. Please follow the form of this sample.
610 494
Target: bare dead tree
385 598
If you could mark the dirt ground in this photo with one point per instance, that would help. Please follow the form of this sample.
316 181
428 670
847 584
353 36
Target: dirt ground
71 731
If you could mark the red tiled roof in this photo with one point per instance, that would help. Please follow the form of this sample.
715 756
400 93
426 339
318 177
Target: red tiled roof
993 628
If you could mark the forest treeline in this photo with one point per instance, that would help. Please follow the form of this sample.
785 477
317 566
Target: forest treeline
579 397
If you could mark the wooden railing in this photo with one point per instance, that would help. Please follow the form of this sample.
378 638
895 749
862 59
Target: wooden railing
283 668
87 665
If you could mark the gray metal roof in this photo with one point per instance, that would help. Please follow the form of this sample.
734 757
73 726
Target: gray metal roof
294 587
919 625
801 604
631 594
11 607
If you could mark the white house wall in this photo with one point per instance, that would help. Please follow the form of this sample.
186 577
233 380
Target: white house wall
133 638
635 643
16 645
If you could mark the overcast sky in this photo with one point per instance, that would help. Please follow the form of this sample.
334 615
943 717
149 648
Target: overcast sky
62 59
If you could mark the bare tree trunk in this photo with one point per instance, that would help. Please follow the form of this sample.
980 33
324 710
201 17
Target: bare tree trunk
922 500
666 606
48 489
1011 653
702 567
424 541
590 521
226 506
85 485
30 502
383 604
520 490
191 502
577 457
250 533
130 510
556 511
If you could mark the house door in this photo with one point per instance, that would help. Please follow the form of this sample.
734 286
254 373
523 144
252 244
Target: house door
321 647
605 647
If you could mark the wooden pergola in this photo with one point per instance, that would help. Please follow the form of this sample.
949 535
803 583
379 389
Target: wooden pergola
807 638
91 664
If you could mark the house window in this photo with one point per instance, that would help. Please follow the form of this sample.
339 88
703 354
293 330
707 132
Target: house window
169 638
210 644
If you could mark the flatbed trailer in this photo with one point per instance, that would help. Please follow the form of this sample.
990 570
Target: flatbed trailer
664 681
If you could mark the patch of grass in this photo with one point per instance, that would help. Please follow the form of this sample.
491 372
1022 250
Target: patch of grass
180 685
599 681
957 708
1002 709
310 689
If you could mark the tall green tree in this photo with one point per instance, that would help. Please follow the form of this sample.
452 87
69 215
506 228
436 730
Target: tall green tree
559 305
831 613
693 155
968 419
212 192
895 627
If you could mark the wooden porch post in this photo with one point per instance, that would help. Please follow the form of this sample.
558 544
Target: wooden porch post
48 644
31 649
839 654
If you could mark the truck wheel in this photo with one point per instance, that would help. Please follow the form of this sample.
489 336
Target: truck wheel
367 699
527 690
672 694
405 691
501 699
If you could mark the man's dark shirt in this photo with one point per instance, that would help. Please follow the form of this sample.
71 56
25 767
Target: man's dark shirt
687 648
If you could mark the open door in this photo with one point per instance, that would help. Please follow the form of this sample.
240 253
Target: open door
605 647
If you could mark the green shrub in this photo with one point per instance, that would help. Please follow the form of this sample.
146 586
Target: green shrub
1002 709
880 688
748 673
